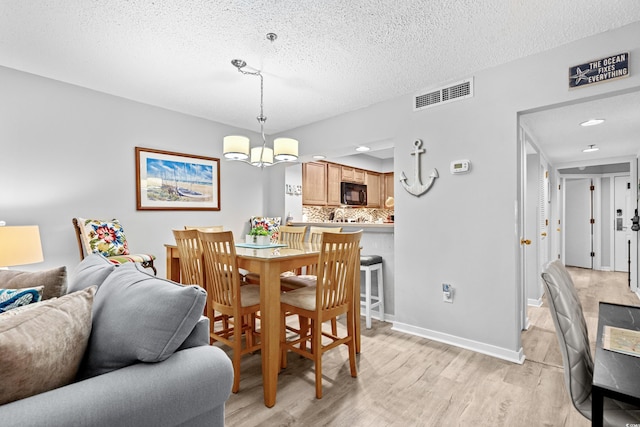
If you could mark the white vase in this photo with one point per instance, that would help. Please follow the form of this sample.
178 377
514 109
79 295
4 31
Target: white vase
257 240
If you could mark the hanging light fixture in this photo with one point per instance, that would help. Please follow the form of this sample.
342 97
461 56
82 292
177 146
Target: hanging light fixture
238 147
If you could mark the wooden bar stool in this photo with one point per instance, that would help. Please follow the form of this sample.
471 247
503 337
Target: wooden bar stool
369 263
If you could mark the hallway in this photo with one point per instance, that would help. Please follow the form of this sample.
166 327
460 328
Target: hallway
539 340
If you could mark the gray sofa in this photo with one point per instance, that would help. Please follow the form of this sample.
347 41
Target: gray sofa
142 364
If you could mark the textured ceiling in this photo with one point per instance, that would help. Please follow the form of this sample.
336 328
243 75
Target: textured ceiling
558 132
330 57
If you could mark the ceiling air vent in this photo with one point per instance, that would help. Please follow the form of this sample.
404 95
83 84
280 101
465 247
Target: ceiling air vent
449 93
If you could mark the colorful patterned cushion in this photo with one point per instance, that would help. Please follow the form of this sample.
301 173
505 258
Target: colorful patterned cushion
271 224
104 237
12 298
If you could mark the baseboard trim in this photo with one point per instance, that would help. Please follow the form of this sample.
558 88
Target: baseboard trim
534 302
478 347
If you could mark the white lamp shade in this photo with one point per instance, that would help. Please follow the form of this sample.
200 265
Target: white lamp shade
260 155
20 245
285 149
236 147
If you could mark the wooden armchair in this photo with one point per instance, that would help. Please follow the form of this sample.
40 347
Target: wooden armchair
108 239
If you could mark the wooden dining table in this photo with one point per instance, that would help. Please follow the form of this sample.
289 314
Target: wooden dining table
269 263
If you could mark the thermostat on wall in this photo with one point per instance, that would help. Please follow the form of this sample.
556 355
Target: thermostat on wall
460 166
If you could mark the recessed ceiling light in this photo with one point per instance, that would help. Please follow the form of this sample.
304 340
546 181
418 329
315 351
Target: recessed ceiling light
319 157
592 122
590 149
362 148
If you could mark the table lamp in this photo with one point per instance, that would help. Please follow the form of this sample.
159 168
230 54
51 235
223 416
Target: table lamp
20 245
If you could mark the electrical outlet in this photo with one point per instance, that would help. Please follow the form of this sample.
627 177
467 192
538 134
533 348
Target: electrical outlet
447 293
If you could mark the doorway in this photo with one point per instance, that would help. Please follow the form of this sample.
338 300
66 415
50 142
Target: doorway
578 220
622 223
560 145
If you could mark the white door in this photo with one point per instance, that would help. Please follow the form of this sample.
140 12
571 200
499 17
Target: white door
578 228
622 214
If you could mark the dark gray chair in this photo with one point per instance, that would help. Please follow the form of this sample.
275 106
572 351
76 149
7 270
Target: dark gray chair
573 338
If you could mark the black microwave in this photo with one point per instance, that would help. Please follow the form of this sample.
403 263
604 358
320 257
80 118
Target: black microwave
353 194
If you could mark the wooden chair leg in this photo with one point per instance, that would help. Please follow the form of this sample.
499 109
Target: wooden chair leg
316 348
283 340
237 354
304 330
351 331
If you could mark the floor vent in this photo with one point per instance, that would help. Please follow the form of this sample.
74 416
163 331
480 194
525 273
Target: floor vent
450 93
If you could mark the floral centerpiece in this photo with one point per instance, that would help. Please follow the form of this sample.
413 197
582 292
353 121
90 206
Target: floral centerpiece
258 235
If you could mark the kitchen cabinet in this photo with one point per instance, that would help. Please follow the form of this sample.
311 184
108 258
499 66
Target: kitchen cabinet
350 174
314 183
388 186
372 180
334 176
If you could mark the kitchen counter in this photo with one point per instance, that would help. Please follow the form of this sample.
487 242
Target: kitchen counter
369 226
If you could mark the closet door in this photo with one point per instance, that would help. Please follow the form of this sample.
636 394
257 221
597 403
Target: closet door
578 227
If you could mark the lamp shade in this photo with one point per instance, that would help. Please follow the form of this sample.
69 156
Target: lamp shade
261 156
389 202
20 245
236 147
285 149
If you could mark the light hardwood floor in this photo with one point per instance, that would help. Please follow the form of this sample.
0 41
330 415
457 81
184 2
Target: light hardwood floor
404 380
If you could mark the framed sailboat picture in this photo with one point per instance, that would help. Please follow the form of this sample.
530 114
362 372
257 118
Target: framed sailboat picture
175 181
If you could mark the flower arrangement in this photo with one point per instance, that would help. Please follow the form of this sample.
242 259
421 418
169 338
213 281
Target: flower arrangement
259 230
258 235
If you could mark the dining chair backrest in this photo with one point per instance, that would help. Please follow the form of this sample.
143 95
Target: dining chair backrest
204 227
315 233
337 264
221 269
572 333
291 234
190 253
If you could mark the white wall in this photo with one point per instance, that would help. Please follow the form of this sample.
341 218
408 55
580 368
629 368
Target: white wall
464 230
68 151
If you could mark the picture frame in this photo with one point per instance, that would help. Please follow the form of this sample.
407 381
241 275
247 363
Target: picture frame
167 180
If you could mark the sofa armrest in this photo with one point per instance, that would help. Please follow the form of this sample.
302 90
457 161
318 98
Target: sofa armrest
191 384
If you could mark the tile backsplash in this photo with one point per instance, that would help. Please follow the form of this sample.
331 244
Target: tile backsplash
322 214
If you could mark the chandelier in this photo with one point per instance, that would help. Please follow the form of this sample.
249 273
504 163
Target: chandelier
238 148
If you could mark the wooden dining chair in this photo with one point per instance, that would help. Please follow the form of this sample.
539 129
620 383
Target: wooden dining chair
291 282
332 296
315 233
192 270
308 279
204 227
226 296
290 235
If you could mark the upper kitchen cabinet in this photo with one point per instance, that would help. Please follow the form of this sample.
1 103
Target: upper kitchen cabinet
334 176
314 184
372 180
388 186
350 174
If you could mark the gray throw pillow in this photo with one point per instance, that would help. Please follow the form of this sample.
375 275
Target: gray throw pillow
139 318
90 272
54 281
